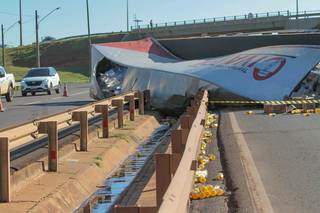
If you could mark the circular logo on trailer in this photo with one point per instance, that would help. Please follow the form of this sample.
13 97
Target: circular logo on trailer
268 68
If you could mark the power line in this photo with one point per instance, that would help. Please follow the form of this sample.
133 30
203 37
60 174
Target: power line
13 14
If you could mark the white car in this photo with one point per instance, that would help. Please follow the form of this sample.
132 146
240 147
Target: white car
43 79
7 84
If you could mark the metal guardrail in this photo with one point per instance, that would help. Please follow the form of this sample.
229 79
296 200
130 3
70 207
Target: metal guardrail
25 133
174 172
250 16
176 197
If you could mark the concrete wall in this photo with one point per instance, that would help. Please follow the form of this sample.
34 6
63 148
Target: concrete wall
231 26
205 47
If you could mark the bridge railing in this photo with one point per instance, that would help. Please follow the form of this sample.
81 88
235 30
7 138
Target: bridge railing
250 16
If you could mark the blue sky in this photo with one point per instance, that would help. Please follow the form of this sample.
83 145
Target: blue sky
110 15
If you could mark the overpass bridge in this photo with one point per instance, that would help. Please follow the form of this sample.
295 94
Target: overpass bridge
281 20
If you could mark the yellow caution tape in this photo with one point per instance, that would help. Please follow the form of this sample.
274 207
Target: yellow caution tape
265 102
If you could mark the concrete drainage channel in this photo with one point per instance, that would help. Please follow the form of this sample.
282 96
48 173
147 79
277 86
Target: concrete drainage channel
115 187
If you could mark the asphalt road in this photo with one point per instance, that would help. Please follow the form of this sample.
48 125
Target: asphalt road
25 109
285 151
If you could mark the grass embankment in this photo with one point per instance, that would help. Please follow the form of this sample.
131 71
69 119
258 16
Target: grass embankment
67 74
69 56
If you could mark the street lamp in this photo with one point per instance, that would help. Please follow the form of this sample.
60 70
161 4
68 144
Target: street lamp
3 32
37 31
88 24
89 33
297 8
127 15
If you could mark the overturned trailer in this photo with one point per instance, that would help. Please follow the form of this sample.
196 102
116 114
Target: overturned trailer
267 73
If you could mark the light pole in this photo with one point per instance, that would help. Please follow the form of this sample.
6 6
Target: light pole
20 21
89 34
88 23
127 15
297 8
3 32
37 32
2 45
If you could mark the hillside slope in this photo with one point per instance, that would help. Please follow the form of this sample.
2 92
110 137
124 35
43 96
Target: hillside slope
69 56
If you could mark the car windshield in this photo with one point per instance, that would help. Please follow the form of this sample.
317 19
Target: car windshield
37 73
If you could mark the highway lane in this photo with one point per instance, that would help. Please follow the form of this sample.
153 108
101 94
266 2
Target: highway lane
286 153
25 109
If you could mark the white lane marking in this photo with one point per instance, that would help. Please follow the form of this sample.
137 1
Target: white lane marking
36 102
254 182
80 93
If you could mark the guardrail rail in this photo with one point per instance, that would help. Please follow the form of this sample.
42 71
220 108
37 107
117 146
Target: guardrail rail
22 135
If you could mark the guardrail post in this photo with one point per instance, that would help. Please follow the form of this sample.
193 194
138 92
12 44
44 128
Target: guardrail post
5 170
82 117
147 98
87 208
50 128
178 140
104 110
130 99
141 102
163 175
119 104
186 122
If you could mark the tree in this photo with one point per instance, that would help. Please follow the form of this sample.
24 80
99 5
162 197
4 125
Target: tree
48 39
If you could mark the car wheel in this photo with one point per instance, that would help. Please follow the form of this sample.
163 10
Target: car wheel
24 94
33 93
9 95
49 90
58 89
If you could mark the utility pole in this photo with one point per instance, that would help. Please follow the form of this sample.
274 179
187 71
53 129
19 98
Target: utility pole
37 39
89 35
297 8
2 45
127 15
37 31
88 23
20 21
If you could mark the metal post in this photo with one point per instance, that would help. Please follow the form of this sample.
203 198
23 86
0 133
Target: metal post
88 23
37 39
130 99
2 46
178 140
297 8
186 122
147 98
163 176
89 36
20 21
141 102
82 117
50 128
5 170
127 15
104 110
119 104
